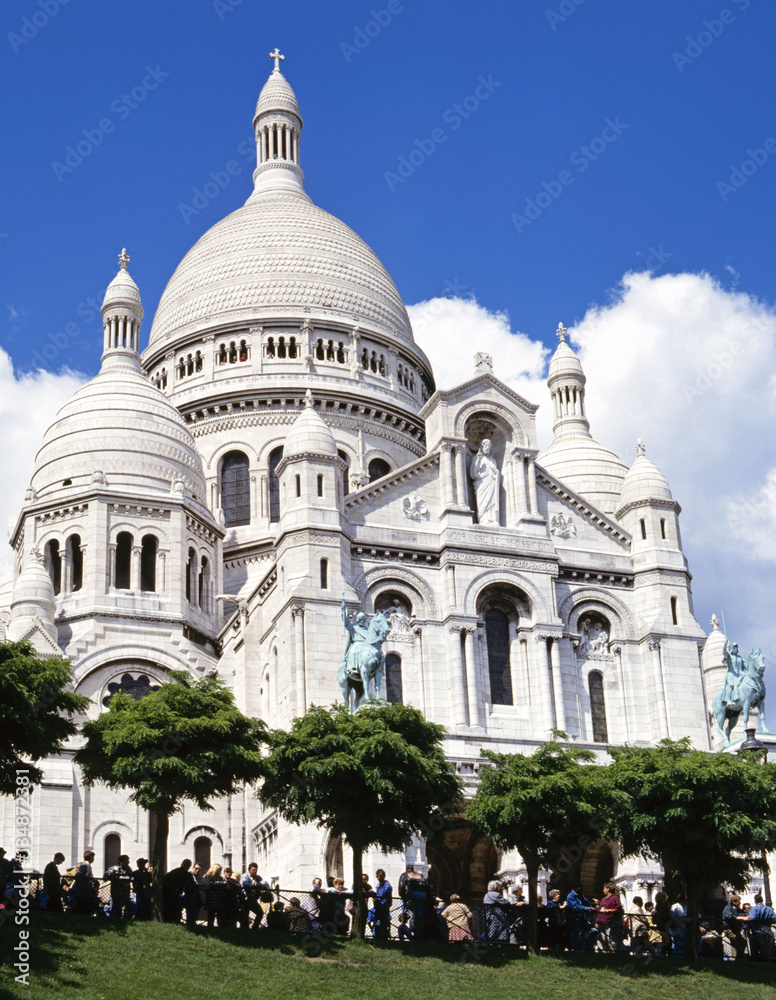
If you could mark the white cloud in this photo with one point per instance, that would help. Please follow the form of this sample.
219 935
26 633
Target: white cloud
28 404
687 366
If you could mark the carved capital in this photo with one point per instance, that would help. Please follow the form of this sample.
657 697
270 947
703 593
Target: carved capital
297 610
655 644
447 446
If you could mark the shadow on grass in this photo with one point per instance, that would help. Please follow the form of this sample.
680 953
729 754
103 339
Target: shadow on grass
55 944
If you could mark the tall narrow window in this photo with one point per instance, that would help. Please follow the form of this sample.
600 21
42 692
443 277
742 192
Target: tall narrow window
148 563
112 850
298 480
324 574
674 611
203 589
662 527
597 707
393 687
190 572
235 489
378 468
345 473
497 636
320 486
76 562
54 564
643 528
274 485
123 560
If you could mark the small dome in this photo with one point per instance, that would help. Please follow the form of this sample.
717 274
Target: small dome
564 362
277 95
33 595
644 481
123 426
123 291
587 468
310 434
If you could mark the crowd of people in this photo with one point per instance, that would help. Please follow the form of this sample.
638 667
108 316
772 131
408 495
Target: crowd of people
223 897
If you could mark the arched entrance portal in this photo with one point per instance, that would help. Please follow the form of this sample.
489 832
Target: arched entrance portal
460 862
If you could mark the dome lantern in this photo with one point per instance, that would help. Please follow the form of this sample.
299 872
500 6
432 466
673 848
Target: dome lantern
277 125
122 314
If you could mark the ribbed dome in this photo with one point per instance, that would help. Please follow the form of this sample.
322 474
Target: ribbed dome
644 481
587 468
123 290
564 361
309 434
33 587
119 425
278 254
277 95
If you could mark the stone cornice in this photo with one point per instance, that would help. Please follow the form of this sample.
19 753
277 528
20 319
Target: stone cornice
388 483
650 502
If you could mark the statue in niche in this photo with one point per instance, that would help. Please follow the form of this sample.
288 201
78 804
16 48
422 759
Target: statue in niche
594 637
485 477
398 618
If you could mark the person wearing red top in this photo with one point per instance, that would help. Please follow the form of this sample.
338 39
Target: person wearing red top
609 919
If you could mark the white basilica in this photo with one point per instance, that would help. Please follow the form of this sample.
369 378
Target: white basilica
204 506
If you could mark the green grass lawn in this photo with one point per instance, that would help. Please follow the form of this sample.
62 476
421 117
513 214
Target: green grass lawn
94 960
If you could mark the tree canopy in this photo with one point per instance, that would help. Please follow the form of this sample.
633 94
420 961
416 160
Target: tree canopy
35 710
540 804
707 817
187 740
374 777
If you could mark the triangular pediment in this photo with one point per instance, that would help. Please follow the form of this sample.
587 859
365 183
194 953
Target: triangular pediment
563 503
409 497
482 384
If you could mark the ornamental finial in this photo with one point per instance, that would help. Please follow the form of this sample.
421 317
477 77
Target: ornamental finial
123 259
715 623
277 57
308 399
561 333
640 449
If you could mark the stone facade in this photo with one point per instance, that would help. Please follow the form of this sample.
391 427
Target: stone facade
283 444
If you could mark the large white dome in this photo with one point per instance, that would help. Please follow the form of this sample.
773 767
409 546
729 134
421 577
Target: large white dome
278 254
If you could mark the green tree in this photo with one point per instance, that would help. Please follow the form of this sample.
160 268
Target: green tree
706 816
374 777
185 741
541 805
35 710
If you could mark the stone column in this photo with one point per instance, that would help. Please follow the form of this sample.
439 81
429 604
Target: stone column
134 569
460 475
161 571
472 686
546 682
557 682
661 688
446 472
111 567
533 503
457 679
297 612
521 502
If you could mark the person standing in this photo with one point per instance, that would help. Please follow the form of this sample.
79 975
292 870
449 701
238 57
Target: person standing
761 920
52 884
579 908
120 878
609 919
141 884
732 930
383 897
83 891
457 916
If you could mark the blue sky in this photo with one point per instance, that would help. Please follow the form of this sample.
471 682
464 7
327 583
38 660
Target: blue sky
549 149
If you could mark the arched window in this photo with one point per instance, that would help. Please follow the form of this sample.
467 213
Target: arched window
243 351
54 564
191 565
595 682
76 557
198 361
393 688
319 352
123 560
203 588
274 485
497 637
112 849
235 489
232 353
378 468
203 848
148 551
281 347
345 474
324 574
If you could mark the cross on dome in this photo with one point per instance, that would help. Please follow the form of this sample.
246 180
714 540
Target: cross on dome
277 57
561 333
123 259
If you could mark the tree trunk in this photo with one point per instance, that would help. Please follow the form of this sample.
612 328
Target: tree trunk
359 912
532 869
160 860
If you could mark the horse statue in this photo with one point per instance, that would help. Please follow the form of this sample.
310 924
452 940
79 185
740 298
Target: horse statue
363 664
744 693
